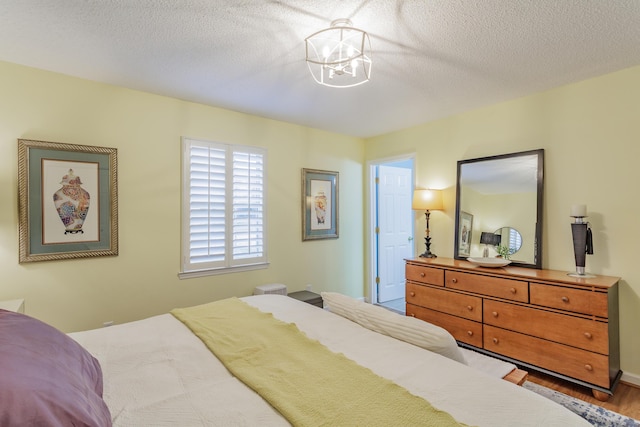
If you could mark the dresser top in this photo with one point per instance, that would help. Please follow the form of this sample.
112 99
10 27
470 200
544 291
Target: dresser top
519 272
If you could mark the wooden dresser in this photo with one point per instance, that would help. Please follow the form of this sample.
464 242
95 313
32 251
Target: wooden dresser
542 319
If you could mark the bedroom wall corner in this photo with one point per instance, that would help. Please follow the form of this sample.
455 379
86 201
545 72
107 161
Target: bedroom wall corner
589 131
146 129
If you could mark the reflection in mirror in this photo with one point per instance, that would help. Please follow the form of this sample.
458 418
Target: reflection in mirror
497 190
510 238
489 239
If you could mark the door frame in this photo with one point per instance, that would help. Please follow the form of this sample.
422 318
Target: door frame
372 216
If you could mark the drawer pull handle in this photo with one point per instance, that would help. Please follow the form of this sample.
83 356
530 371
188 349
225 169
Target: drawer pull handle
470 308
565 299
454 280
513 290
588 367
422 274
413 294
587 335
470 333
494 313
495 340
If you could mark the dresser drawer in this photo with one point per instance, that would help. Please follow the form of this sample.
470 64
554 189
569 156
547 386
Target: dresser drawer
576 300
444 301
573 362
572 331
430 275
515 290
464 330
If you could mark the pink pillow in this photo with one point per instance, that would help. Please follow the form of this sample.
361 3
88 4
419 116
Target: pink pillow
47 379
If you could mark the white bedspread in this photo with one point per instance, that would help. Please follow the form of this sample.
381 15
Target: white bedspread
156 372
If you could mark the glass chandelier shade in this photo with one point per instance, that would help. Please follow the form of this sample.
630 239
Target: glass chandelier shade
339 56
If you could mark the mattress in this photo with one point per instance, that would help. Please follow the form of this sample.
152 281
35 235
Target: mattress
156 372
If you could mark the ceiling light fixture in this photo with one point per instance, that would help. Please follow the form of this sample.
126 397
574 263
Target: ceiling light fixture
339 56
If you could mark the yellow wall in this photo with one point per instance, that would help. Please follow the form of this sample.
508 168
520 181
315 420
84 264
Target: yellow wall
589 131
492 212
146 129
591 135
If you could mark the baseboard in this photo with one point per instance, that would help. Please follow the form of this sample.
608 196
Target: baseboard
630 379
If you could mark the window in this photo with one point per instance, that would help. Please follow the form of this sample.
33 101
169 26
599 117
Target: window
515 241
223 208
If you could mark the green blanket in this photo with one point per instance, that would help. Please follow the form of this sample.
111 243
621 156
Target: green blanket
306 382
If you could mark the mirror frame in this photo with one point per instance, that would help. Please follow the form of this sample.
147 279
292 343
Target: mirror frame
537 244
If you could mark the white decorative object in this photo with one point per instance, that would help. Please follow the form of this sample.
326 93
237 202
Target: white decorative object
339 56
578 210
271 288
489 262
16 305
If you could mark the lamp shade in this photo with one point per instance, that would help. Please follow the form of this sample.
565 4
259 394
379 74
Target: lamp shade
427 200
490 238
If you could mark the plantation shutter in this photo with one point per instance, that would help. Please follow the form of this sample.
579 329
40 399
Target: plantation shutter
225 188
248 196
515 239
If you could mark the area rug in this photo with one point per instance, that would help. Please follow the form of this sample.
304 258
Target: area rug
596 415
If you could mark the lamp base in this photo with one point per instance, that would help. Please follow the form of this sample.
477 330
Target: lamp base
427 243
485 252
581 273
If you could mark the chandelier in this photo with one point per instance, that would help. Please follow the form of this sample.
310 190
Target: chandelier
339 56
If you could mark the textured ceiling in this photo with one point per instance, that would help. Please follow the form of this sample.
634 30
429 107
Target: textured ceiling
431 59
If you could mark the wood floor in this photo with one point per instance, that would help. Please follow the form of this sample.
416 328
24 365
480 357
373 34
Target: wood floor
625 400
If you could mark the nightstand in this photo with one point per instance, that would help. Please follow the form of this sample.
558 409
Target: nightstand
16 305
308 297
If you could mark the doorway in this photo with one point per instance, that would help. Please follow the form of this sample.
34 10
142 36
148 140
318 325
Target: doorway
391 186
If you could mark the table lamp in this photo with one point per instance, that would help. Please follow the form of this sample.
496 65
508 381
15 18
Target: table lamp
489 239
427 200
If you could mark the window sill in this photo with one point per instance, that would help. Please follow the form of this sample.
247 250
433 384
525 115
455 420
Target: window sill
225 270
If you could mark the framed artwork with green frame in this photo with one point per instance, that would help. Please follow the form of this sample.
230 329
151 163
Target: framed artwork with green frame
319 204
67 201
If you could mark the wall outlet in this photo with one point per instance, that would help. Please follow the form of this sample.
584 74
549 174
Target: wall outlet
309 286
107 323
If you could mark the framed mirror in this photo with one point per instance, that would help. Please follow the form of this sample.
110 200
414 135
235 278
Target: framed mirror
501 195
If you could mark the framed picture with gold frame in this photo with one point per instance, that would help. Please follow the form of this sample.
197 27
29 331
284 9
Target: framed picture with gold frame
319 204
68 201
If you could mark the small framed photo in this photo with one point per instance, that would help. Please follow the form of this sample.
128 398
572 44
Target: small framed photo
68 201
464 233
319 204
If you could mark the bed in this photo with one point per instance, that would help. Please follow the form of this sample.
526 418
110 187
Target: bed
157 372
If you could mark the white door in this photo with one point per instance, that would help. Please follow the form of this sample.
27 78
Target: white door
394 236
